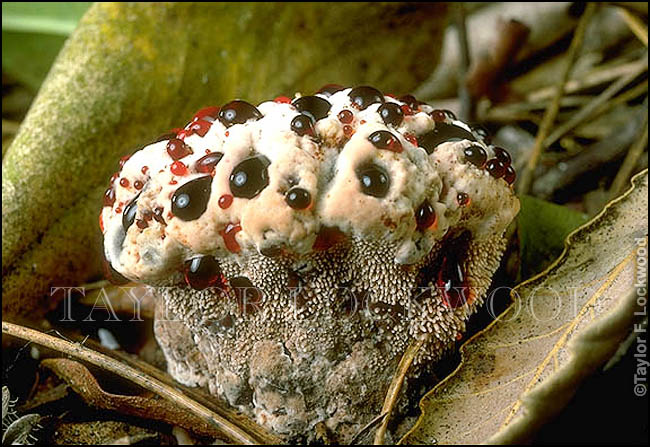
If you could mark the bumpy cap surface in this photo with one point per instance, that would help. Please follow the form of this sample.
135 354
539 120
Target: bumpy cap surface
281 177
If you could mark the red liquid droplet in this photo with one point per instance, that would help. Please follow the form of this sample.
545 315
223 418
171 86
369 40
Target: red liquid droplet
142 224
495 168
203 272
228 234
406 110
451 282
114 176
439 115
138 184
144 170
200 127
178 168
124 182
463 199
328 237
109 197
425 216
157 215
118 210
382 139
207 113
101 222
124 160
207 163
282 100
348 131
510 176
346 116
411 139
225 201
177 149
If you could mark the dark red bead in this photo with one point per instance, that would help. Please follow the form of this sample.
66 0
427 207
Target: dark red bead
124 182
383 139
346 116
298 198
200 127
109 196
207 113
410 101
330 89
363 96
313 106
495 168
129 214
510 176
206 164
303 125
177 149
463 199
178 168
451 282
203 272
225 201
238 112
502 155
374 181
391 114
190 201
425 216
443 133
124 160
250 177
441 115
228 234
476 155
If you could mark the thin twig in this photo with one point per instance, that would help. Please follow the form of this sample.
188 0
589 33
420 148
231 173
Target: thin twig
624 173
588 111
554 107
395 387
638 28
138 377
604 151
598 76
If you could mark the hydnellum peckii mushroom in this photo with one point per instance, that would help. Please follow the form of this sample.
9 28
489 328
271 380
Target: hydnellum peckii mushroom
296 248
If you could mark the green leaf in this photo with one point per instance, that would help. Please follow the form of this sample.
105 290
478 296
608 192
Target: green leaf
543 227
132 71
33 34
